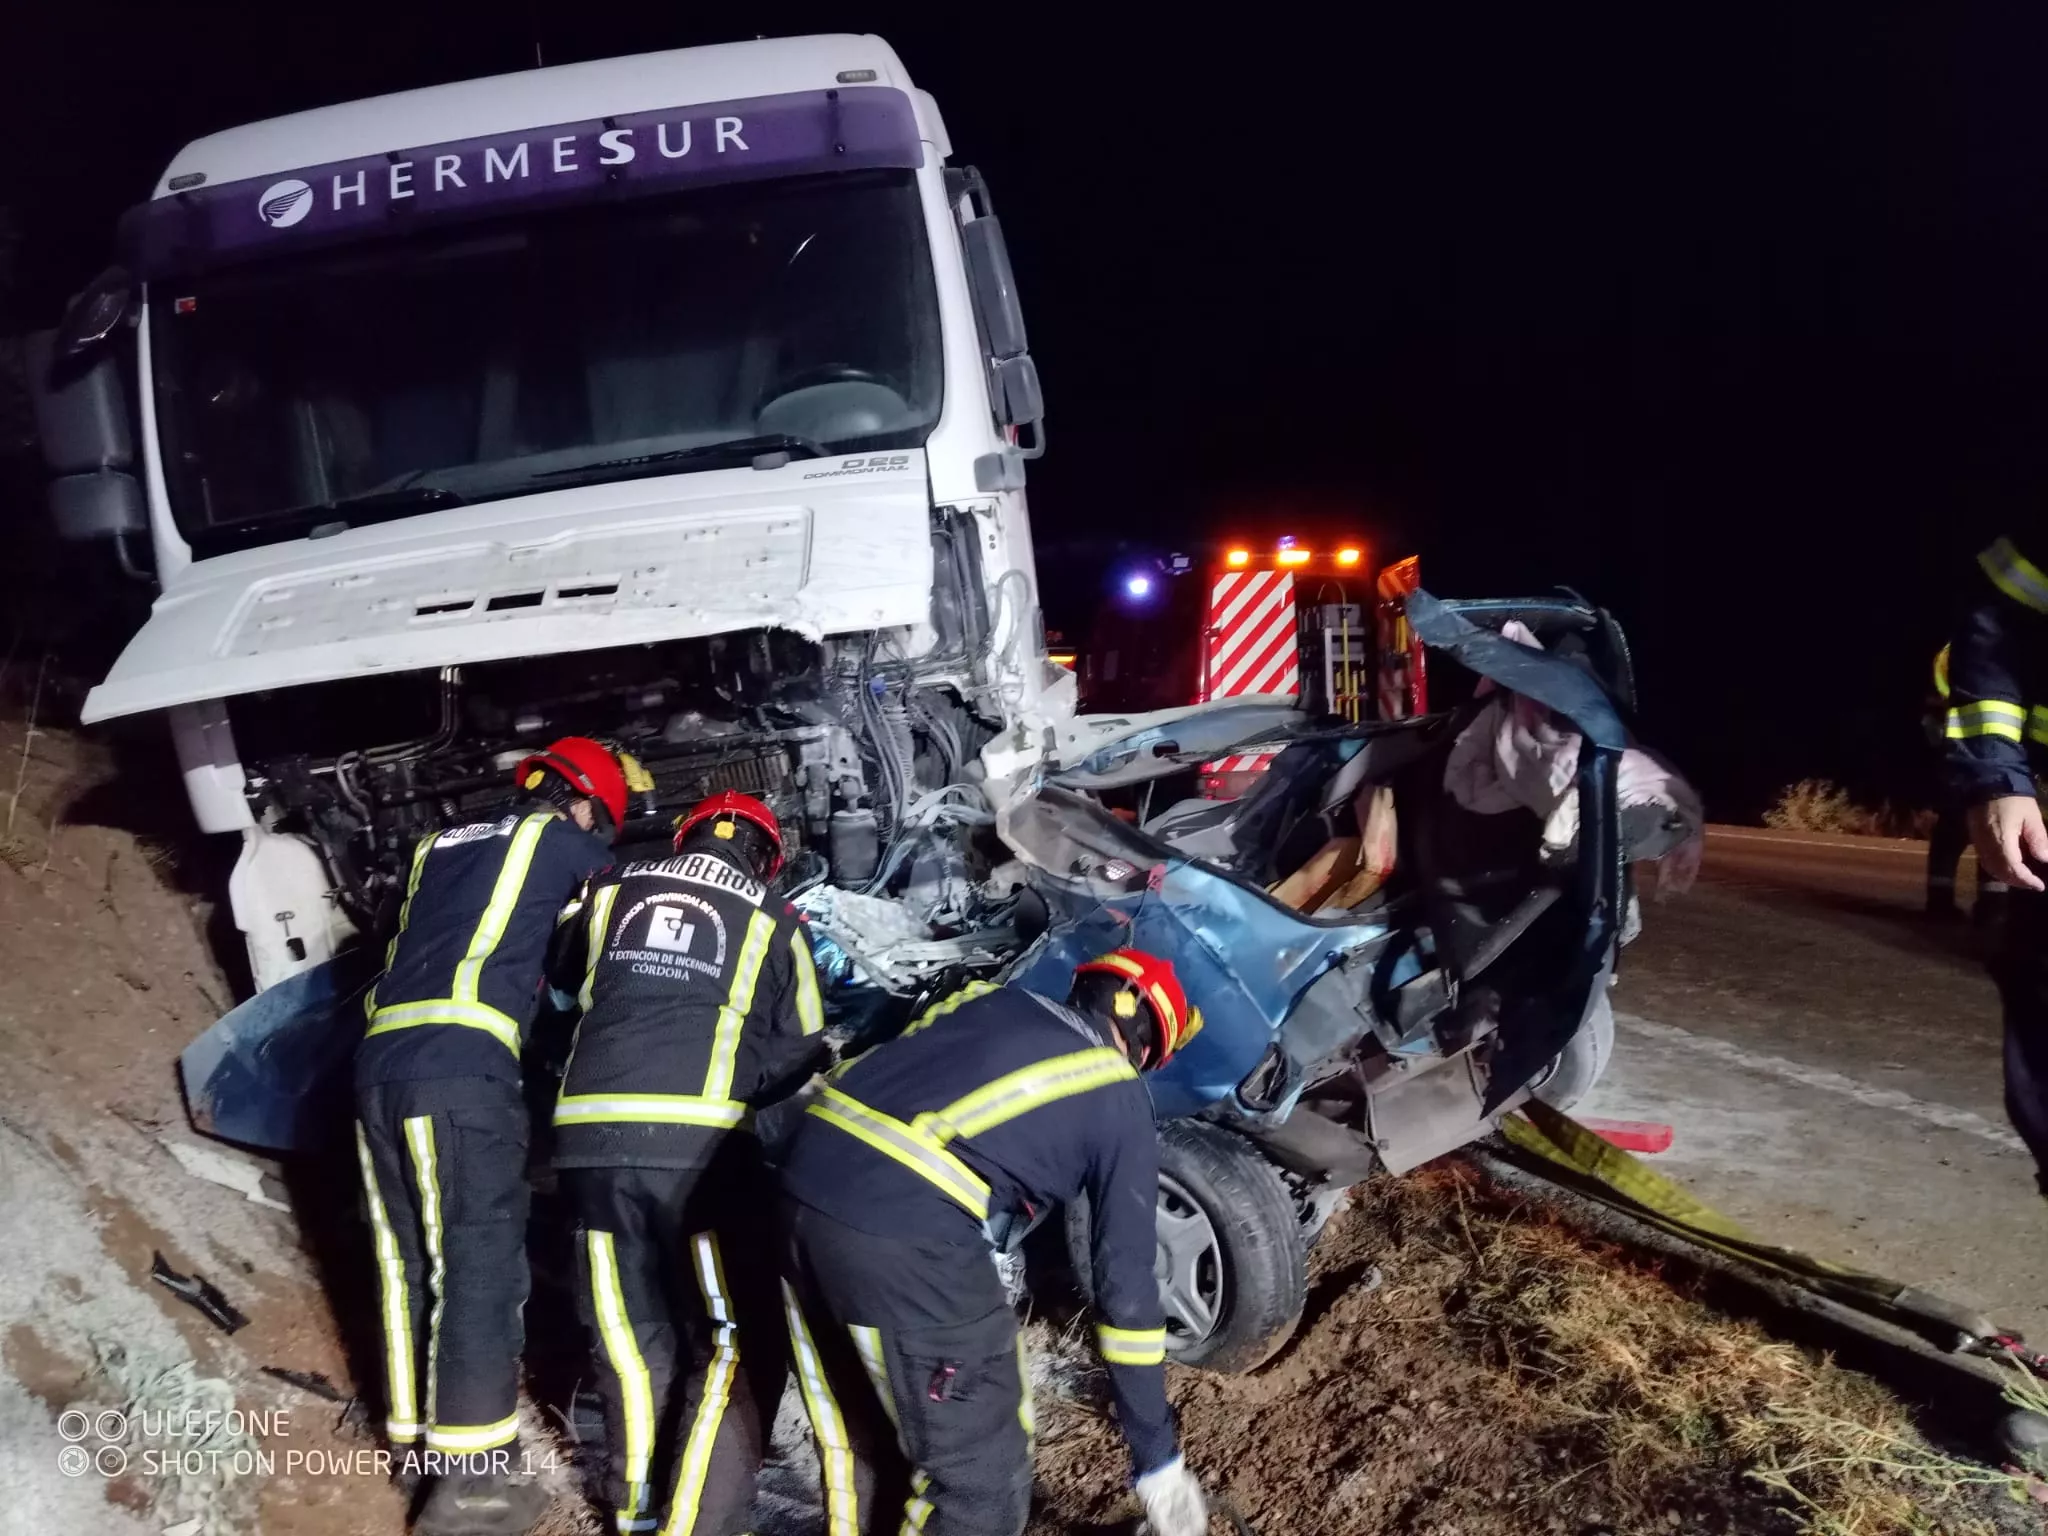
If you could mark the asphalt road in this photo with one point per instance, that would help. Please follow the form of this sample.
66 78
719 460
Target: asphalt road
1829 1061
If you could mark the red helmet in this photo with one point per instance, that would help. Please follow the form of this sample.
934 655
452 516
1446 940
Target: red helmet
1148 982
730 806
588 767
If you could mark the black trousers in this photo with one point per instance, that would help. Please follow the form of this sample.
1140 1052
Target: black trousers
676 1284
2022 974
1946 845
913 1373
444 1176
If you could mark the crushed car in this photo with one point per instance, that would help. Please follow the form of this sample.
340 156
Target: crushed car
1384 968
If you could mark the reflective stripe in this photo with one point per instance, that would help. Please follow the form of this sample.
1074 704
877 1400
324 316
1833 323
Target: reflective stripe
919 1509
930 1016
694 1467
867 1343
944 1006
739 1001
810 1013
1131 1346
1169 1016
600 921
446 1010
636 1385
419 1138
1027 1410
490 929
835 1451
916 1150
403 1424
1987 717
2015 575
412 889
2037 724
466 1439
648 1109
1026 1089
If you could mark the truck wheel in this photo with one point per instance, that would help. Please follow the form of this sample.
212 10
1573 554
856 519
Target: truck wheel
1583 1061
1232 1262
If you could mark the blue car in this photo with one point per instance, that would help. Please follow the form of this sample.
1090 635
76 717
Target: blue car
1384 1025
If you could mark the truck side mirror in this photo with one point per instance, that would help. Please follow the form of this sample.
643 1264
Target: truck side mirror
1017 397
995 287
82 423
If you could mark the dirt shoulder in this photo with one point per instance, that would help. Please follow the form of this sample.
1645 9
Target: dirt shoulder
108 975
1470 1363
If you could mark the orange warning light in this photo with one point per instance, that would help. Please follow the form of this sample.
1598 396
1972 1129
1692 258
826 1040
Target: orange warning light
1293 557
1238 557
1349 556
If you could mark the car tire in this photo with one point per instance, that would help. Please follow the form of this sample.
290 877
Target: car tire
1583 1061
1230 1231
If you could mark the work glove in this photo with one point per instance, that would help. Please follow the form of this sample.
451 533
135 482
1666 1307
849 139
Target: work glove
1173 1501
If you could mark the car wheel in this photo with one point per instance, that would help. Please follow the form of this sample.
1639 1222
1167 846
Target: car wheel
1583 1061
1232 1259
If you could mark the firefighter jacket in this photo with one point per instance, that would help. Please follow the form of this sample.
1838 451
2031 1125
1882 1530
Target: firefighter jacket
1997 662
699 1004
463 976
999 1103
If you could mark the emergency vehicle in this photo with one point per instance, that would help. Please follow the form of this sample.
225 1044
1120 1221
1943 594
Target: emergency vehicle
1315 620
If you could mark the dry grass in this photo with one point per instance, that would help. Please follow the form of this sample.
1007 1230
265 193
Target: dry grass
1514 1376
1609 1358
1821 805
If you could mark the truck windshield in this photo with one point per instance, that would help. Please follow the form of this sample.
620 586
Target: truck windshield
389 378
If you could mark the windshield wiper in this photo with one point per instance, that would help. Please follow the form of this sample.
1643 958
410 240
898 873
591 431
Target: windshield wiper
734 448
397 498
372 506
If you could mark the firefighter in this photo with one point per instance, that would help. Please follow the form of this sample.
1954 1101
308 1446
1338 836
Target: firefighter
442 1126
993 1107
699 1005
1998 659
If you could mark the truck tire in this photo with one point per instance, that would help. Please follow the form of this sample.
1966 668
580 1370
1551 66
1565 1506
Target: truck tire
1232 1261
1583 1061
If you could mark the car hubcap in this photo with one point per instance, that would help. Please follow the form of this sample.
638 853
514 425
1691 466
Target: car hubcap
1189 1267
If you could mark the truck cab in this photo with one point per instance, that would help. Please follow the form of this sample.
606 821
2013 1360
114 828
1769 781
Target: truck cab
681 400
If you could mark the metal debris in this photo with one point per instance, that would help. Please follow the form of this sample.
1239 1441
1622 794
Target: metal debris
200 1292
308 1381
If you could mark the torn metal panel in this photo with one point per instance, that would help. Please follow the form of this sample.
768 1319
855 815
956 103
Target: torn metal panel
1246 958
274 1072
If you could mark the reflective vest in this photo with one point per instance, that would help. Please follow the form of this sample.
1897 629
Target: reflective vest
699 1004
463 974
1996 661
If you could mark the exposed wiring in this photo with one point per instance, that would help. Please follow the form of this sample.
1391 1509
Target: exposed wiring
1011 618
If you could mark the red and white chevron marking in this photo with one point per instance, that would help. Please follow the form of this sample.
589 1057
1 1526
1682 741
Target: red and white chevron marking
1252 644
1253 647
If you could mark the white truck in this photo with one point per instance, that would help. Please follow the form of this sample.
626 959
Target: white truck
681 400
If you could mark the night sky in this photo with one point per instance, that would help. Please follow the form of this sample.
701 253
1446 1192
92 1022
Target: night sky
1739 327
